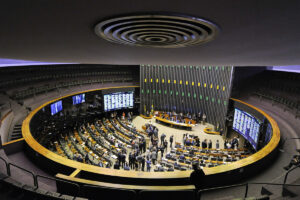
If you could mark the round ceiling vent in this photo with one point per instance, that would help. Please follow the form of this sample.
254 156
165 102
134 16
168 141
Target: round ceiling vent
157 30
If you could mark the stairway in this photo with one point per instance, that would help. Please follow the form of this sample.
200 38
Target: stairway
17 132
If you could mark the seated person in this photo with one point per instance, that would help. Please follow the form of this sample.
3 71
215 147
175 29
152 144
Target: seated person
181 158
176 166
295 161
168 155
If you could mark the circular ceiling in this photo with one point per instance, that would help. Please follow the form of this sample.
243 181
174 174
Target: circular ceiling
157 30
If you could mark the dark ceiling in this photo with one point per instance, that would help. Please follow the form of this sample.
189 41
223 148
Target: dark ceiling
253 32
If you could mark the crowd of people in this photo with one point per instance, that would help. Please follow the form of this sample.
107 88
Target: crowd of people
143 153
181 118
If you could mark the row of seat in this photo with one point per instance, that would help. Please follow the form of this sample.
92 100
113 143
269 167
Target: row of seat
25 76
19 95
204 157
288 103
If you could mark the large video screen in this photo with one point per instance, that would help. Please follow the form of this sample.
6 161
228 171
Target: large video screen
77 99
56 107
247 125
118 100
268 133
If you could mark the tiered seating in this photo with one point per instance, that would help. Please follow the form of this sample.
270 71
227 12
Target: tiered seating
110 128
93 157
127 125
104 138
282 88
97 149
182 157
30 81
59 151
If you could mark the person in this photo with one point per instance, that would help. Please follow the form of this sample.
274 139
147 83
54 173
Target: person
126 167
153 157
117 165
171 140
162 149
166 145
86 158
217 145
197 176
162 138
210 144
143 163
295 161
148 163
228 145
204 118
197 142
204 144
225 144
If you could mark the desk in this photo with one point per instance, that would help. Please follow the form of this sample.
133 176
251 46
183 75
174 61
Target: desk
172 123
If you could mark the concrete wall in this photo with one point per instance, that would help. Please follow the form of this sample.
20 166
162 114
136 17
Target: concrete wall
5 124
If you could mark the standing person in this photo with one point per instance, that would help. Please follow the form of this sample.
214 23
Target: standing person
171 140
144 145
210 144
185 139
162 151
204 118
130 160
162 138
133 161
197 176
148 163
217 145
197 142
204 144
143 163
166 145
154 157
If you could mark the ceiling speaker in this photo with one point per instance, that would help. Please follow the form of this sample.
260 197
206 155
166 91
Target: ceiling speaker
157 30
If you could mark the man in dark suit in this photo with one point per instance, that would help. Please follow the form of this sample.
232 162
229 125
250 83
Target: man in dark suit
197 176
204 144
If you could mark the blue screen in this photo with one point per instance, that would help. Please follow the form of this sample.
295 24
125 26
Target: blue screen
56 107
118 100
246 125
268 133
77 99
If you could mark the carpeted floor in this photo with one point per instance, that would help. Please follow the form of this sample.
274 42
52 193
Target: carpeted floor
178 133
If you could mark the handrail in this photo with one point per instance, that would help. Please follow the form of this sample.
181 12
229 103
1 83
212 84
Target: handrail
6 165
55 179
223 187
33 175
242 184
287 173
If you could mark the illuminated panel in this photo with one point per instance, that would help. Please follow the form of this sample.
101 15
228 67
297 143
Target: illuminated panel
246 125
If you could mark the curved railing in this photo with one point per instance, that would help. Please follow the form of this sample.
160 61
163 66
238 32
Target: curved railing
262 153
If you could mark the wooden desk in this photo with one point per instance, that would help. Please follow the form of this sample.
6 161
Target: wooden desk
172 123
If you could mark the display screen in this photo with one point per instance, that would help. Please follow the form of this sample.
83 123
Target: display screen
77 99
118 100
247 125
268 133
56 107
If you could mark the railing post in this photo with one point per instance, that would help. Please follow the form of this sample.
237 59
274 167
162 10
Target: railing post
246 192
8 169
